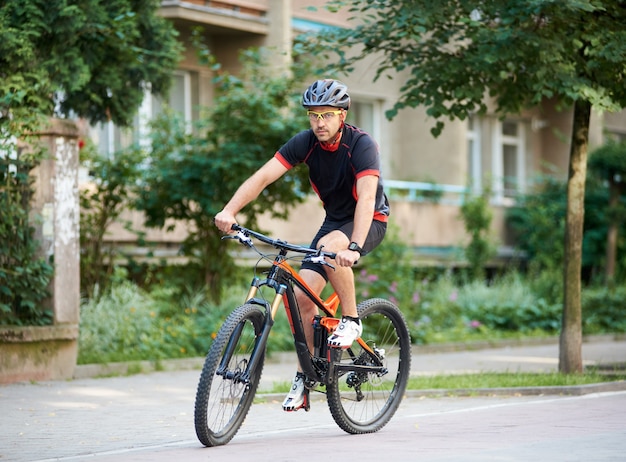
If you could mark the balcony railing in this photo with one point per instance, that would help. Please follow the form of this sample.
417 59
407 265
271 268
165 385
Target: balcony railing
243 7
416 191
434 193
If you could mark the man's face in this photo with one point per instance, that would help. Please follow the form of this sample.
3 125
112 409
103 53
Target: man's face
325 121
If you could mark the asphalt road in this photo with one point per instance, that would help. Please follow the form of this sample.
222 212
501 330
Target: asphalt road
149 417
516 428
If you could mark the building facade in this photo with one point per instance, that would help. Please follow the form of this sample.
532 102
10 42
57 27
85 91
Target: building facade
426 178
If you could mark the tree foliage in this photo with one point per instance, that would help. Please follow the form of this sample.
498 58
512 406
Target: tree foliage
24 274
538 222
193 173
457 56
451 55
608 162
92 58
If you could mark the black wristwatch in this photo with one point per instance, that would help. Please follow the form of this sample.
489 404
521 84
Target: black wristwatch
355 246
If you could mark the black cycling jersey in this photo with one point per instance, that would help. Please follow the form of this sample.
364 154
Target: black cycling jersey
333 173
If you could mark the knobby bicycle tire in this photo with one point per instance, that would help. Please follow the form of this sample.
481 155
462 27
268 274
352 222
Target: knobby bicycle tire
362 402
222 400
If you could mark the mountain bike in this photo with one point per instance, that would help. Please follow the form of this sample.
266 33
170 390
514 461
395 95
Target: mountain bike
364 384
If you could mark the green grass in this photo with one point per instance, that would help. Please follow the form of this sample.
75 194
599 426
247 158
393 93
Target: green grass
496 380
507 380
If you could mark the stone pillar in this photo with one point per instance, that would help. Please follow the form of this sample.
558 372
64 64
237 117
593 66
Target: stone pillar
50 352
279 37
56 201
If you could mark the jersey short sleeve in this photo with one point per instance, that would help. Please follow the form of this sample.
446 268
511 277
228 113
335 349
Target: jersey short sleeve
296 150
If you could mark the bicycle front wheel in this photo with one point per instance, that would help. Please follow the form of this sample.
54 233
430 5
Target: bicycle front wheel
364 402
225 394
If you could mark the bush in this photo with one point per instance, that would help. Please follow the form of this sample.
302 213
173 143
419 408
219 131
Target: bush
477 215
172 320
117 326
130 324
449 310
24 277
101 204
538 221
509 305
603 310
439 307
387 272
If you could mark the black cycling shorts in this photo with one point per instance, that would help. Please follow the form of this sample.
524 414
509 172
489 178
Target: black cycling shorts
374 237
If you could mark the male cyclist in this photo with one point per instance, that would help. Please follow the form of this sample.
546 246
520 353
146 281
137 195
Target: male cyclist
344 170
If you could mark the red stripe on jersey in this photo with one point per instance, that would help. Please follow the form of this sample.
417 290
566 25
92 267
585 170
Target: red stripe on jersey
375 173
282 160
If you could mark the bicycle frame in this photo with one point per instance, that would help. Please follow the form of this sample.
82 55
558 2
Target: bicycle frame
281 278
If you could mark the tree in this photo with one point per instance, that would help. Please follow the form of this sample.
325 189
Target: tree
81 58
91 58
193 175
456 53
609 163
477 217
112 183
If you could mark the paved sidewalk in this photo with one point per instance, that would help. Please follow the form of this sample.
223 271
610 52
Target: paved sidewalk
63 419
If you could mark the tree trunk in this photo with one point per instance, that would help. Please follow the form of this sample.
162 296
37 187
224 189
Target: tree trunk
570 351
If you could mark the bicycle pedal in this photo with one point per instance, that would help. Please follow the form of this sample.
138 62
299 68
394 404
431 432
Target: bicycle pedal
307 402
306 405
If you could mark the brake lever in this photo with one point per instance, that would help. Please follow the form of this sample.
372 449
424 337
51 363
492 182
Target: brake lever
319 259
241 237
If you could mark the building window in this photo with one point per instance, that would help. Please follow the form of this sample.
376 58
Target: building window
367 115
362 115
618 137
183 93
474 164
180 96
509 158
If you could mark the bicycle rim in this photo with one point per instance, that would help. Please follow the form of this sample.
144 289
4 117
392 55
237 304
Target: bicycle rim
364 402
222 399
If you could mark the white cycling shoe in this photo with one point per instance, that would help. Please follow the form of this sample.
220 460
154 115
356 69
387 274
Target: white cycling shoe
297 396
345 334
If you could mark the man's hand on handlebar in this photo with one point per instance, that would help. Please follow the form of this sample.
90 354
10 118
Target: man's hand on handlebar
224 221
347 257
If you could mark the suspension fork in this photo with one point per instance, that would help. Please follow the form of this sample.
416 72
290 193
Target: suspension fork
259 348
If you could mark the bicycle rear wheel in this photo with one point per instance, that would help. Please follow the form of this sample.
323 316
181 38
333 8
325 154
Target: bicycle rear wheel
224 397
363 402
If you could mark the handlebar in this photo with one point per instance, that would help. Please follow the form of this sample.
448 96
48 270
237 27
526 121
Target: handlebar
243 235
